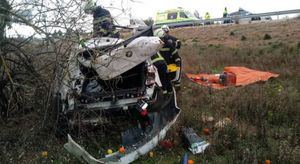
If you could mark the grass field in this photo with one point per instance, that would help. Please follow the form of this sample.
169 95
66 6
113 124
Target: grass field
265 117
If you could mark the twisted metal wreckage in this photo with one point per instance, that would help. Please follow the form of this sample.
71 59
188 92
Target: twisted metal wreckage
110 74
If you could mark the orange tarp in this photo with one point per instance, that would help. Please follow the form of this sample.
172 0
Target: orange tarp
236 76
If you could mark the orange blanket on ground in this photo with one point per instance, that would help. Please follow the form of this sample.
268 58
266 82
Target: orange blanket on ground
236 76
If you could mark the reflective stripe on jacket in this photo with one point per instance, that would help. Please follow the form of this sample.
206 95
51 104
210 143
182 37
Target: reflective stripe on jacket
157 57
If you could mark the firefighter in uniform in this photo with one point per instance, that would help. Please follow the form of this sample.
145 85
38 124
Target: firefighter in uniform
170 50
102 21
160 63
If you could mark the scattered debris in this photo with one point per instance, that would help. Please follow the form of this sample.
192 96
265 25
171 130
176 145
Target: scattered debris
206 119
231 76
194 143
122 150
185 158
166 144
44 154
190 161
151 154
222 123
206 131
109 151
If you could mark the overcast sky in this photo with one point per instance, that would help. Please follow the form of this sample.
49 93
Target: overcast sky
147 8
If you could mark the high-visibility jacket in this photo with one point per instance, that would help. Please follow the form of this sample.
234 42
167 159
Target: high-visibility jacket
157 57
207 16
225 13
170 49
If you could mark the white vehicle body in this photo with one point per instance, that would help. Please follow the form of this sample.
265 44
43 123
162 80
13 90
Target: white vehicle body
110 74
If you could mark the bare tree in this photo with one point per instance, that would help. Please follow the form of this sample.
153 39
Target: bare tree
31 65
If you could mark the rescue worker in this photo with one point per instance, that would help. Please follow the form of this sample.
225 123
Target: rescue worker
207 16
225 13
170 50
166 29
103 25
159 62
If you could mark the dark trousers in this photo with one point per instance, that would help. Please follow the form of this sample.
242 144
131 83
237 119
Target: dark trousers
163 75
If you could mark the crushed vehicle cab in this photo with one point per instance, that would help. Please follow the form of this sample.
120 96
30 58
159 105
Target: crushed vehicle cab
106 76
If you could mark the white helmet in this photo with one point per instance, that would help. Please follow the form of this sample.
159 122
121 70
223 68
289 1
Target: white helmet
165 28
159 33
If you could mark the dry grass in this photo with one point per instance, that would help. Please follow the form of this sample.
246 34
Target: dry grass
265 116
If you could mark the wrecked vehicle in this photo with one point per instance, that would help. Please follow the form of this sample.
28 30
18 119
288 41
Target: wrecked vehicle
108 76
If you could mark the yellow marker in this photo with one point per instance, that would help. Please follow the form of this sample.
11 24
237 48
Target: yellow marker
44 154
151 154
109 151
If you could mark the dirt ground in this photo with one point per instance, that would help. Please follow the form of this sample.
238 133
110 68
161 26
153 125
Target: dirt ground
264 117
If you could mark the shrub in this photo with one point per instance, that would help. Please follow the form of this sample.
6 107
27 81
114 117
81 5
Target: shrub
267 37
231 33
195 40
243 38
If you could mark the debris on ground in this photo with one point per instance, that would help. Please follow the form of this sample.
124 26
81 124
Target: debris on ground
122 150
190 161
206 131
222 123
109 151
231 76
207 119
44 154
151 154
185 158
194 143
166 144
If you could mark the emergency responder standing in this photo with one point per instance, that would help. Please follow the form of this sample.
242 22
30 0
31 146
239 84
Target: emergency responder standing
225 13
102 20
159 62
170 50
207 17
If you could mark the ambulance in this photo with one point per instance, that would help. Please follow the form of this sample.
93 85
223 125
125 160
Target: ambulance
175 18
